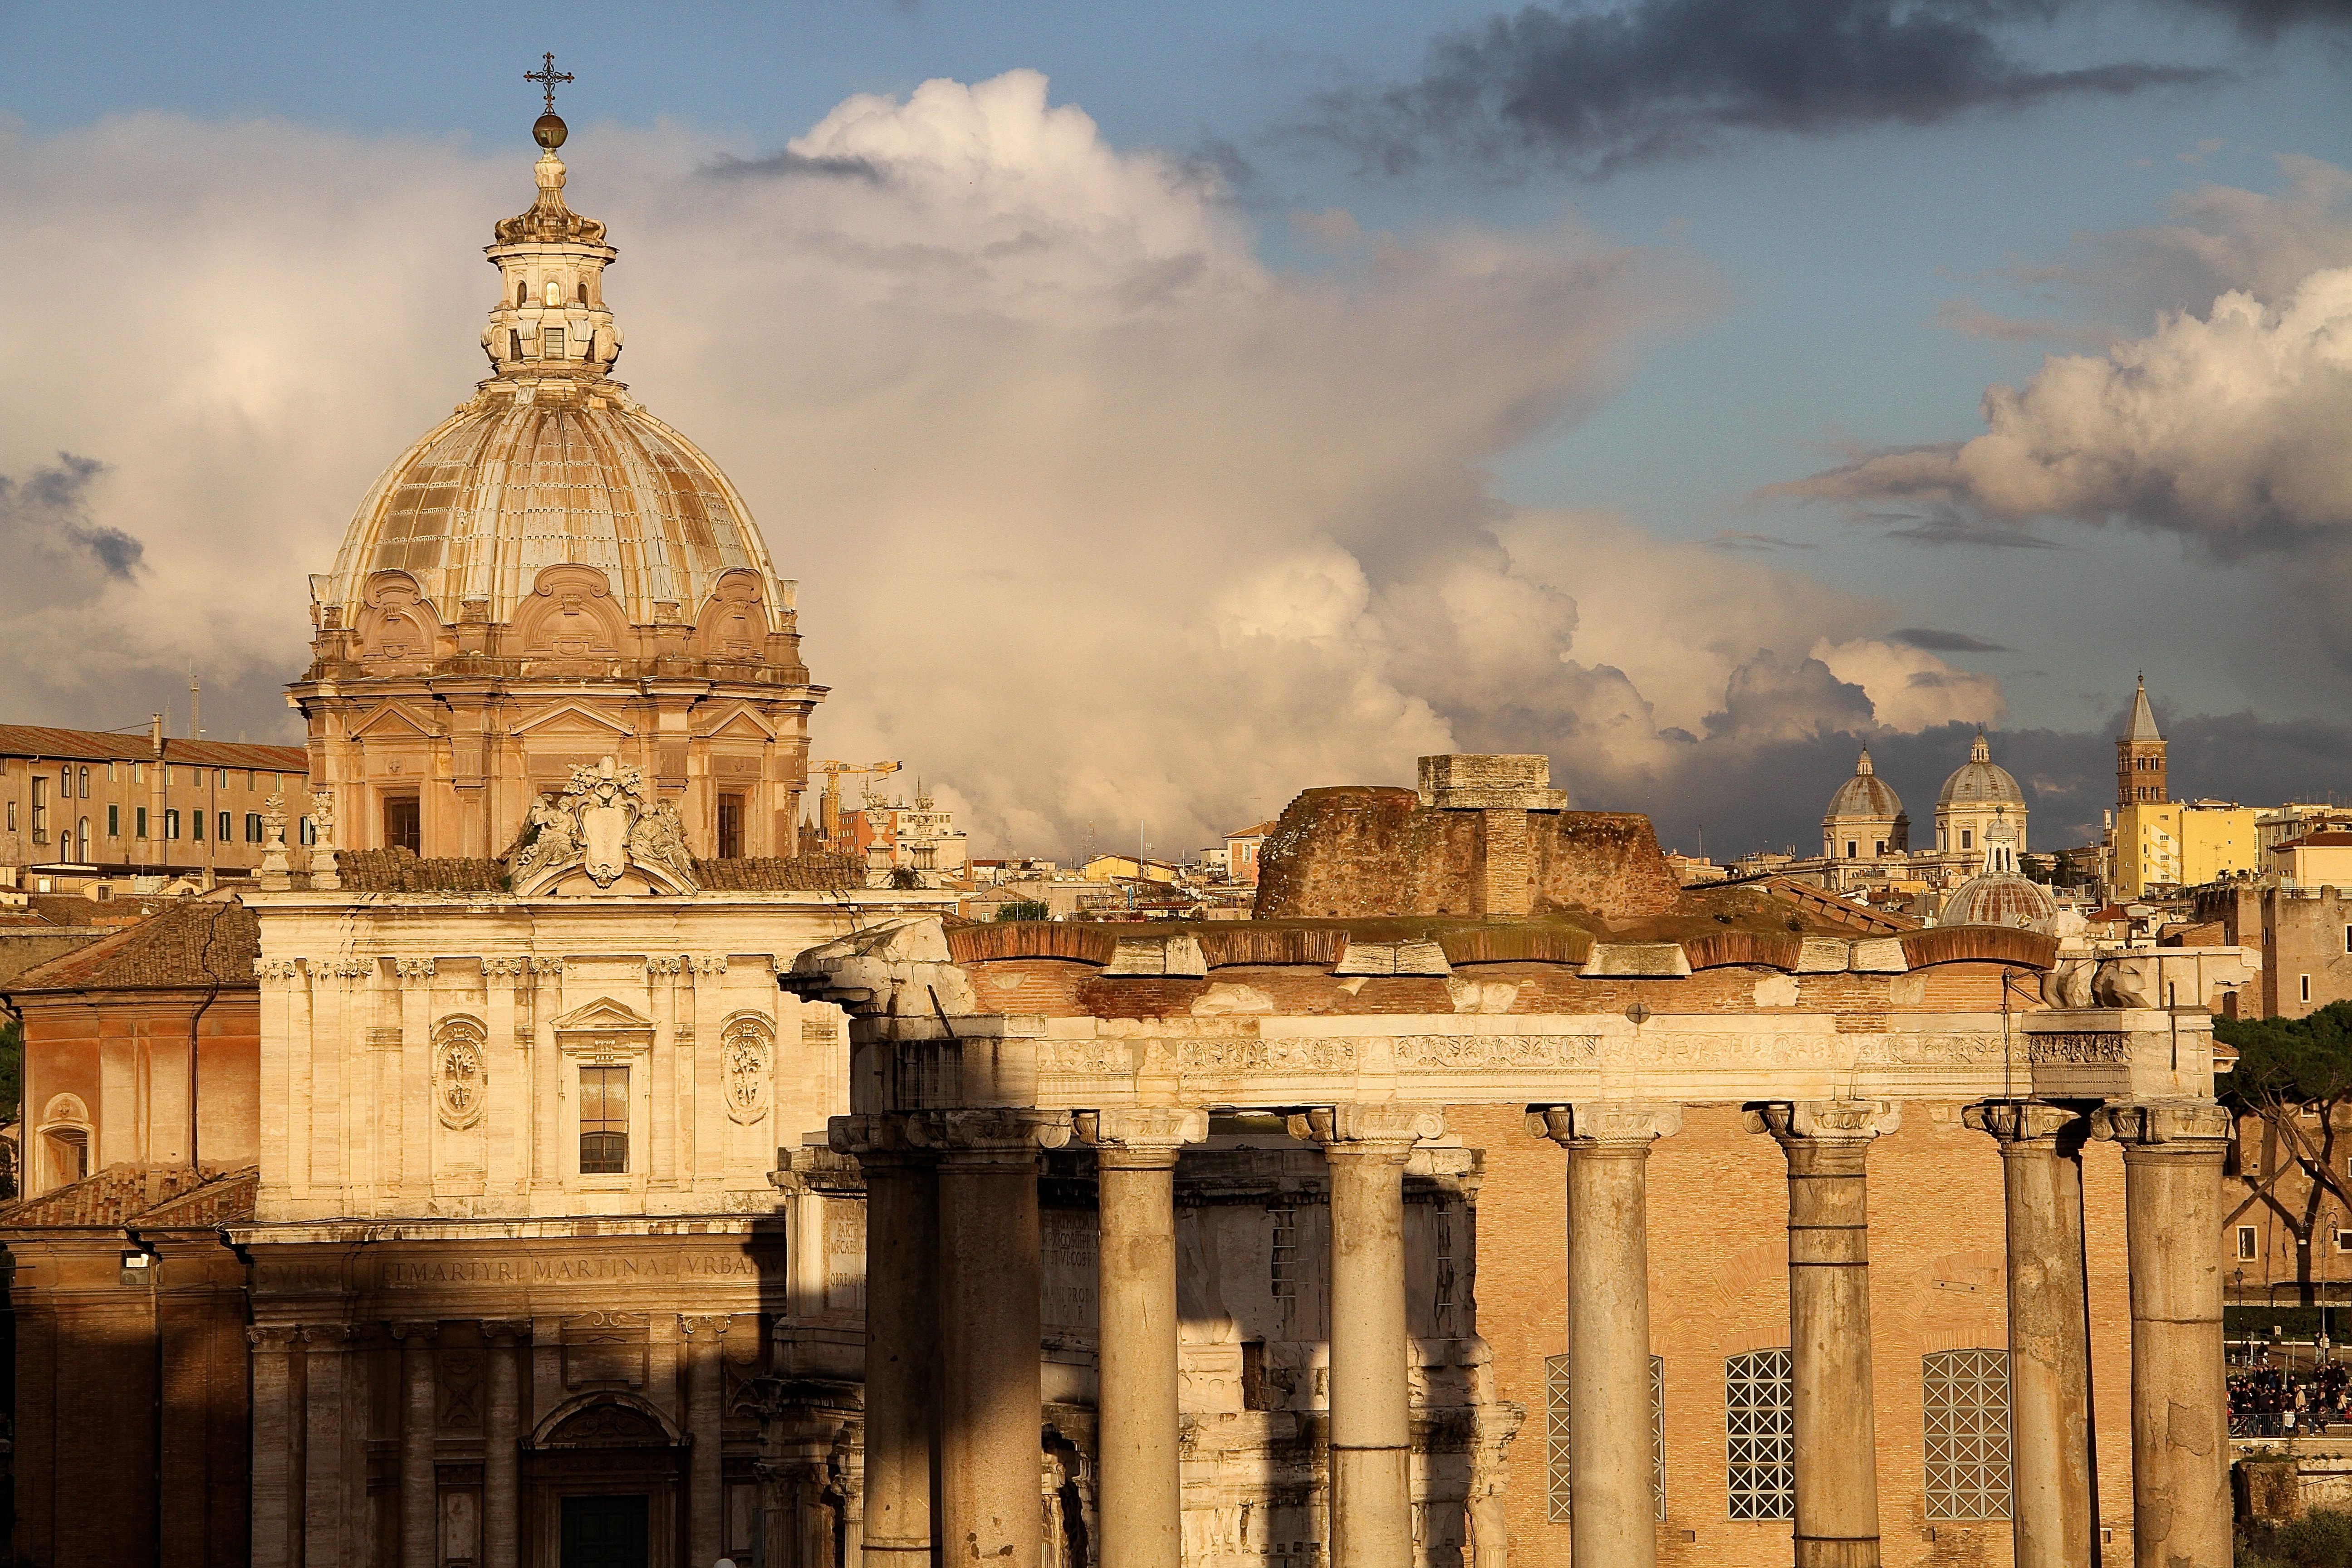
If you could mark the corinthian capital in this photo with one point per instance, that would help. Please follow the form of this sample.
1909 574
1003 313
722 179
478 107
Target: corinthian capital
2026 1120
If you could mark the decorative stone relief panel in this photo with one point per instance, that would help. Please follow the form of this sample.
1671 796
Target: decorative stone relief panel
747 1055
460 1072
1488 1053
2081 1047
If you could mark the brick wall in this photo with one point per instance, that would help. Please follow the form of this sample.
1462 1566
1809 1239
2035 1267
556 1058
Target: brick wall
1718 1283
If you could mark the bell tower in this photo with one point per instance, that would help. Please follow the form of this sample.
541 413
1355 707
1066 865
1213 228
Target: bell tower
2140 757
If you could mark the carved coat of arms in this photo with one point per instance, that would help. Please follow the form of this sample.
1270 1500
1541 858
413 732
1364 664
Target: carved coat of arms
602 825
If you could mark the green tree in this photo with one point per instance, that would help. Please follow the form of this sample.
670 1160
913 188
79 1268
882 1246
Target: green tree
1025 909
2295 1077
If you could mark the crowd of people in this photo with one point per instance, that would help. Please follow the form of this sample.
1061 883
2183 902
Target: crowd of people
2272 1402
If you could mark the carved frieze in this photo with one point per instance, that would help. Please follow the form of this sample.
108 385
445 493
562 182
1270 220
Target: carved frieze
1243 1055
1494 1053
2080 1048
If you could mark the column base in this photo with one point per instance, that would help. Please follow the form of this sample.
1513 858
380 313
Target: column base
1837 1551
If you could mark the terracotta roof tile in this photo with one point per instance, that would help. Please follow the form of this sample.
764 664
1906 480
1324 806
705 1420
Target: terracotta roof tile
157 1196
97 746
400 871
803 874
195 942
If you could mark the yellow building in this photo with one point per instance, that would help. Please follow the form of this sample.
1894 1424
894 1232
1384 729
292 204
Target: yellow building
2181 843
2159 842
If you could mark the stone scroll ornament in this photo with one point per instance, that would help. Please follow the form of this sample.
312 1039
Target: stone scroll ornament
602 825
460 1074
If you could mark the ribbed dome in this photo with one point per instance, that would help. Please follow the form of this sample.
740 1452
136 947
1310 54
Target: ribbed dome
1980 781
2001 898
508 487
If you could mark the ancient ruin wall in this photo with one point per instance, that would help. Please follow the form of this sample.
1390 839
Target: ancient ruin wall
1357 850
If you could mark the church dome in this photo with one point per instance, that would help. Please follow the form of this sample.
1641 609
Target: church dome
508 487
552 462
2001 898
1980 781
1865 796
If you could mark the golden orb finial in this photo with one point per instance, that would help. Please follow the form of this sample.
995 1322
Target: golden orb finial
549 130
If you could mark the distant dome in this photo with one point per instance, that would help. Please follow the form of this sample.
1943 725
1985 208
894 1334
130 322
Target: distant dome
505 487
2001 898
1865 795
1980 781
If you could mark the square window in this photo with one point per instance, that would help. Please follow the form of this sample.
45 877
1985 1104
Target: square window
171 822
138 822
114 822
1556 1437
551 342
2245 1243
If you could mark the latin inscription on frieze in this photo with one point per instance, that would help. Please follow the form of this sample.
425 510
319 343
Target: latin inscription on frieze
844 1255
2080 1048
620 1269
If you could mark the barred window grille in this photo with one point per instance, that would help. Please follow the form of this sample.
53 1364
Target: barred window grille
1759 1435
1556 1430
1967 1434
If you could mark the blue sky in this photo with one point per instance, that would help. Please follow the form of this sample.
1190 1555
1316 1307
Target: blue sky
1823 264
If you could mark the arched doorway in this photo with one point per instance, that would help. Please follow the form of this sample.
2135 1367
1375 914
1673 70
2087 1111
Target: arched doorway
603 1475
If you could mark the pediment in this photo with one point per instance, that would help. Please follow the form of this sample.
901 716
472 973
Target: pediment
578 712
603 1015
390 722
743 724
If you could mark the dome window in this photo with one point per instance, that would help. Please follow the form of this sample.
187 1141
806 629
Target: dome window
522 295
514 344
551 342
583 293
554 292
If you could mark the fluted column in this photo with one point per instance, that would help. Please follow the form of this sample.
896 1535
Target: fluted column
705 1423
2173 1152
1141 1488
2054 1516
1827 1144
502 1447
1365 1148
1613 1513
420 1501
991 1330
902 1251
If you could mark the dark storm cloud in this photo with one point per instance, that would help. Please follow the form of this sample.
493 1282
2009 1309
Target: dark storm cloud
1943 642
2266 19
1599 90
786 165
1957 528
55 553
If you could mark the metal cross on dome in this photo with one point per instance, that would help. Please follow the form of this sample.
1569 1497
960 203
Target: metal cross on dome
548 75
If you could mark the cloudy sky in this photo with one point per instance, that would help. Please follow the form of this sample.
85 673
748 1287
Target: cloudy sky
1165 409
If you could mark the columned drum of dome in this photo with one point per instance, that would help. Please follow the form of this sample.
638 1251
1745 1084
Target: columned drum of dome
1979 793
550 576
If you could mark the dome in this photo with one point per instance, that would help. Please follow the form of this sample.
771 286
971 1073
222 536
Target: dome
552 462
2001 898
1980 781
1865 796
505 487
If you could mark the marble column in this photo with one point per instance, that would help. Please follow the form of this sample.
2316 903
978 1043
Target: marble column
1365 1148
502 1447
991 1330
1141 1487
420 1495
2053 1515
1613 1514
277 1475
1827 1142
2173 1151
902 1250
705 1424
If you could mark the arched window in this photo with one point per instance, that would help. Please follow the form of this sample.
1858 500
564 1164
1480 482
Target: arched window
1967 1413
1759 1435
522 295
554 293
583 293
65 1140
85 783
82 850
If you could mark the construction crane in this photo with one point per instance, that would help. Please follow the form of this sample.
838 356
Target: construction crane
829 802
